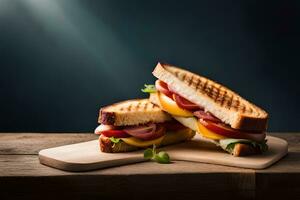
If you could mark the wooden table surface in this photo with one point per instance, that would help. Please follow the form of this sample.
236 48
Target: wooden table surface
22 176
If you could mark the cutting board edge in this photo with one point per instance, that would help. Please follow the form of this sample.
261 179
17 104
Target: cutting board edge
262 166
77 167
81 167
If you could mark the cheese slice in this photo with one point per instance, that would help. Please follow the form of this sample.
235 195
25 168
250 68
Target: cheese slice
142 143
171 106
170 137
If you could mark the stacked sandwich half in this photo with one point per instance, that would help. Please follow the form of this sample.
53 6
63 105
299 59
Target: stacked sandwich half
180 104
135 124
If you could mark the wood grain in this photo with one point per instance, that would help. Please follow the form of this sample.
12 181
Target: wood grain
28 165
22 177
148 180
32 143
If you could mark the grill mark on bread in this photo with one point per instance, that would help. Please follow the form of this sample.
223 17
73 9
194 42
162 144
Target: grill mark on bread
218 93
183 77
138 105
146 106
153 106
210 91
142 109
246 115
229 102
129 108
233 104
237 105
222 99
243 108
198 83
191 80
250 109
204 86
214 91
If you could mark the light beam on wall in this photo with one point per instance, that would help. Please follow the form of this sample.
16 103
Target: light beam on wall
84 31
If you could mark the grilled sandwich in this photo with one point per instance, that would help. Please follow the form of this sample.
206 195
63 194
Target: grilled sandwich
218 114
135 124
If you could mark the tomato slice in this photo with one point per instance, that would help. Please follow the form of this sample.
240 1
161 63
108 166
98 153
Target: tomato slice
115 133
201 114
185 104
163 88
232 133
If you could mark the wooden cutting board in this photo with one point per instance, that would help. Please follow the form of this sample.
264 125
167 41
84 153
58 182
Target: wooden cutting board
87 156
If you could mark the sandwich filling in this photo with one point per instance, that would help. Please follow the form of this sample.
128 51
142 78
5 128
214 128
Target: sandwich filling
206 124
145 135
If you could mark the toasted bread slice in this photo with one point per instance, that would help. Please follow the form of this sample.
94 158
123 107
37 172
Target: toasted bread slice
225 104
132 112
172 137
245 150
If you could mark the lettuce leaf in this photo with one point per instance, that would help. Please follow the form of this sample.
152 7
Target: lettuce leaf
114 140
149 89
229 144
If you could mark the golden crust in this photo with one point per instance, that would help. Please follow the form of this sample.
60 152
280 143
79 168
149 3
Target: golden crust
225 104
245 150
132 112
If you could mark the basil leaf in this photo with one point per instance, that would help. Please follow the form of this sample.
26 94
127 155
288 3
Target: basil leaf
148 153
114 140
162 157
149 89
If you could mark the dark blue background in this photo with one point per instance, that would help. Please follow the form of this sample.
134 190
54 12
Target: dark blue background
62 60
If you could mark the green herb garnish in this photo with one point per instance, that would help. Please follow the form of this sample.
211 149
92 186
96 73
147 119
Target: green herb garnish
149 89
114 140
148 153
161 157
